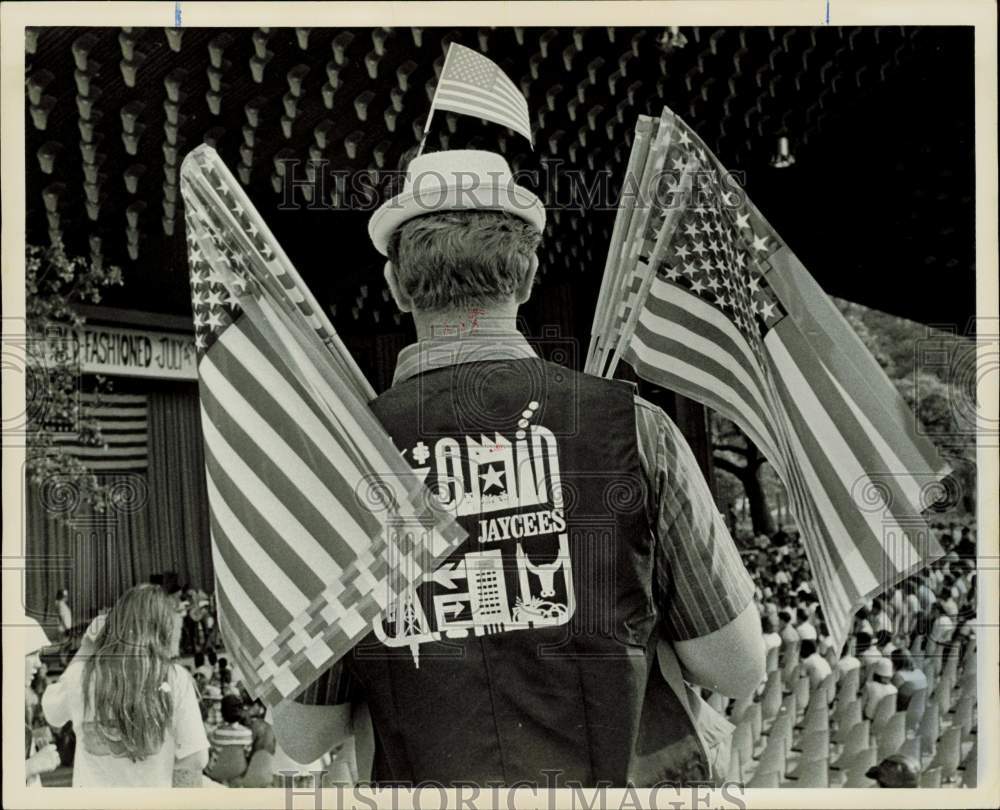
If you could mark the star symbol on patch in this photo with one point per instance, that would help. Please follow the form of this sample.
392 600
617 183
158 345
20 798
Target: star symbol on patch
743 221
491 478
759 243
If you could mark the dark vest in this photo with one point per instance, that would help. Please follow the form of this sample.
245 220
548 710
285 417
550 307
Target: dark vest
531 651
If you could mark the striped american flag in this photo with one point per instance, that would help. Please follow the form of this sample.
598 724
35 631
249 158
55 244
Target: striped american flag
123 422
471 84
712 304
316 519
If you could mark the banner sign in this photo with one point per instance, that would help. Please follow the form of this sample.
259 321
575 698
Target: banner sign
114 350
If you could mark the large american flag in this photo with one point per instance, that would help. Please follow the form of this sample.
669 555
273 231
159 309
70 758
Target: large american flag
471 84
707 300
123 422
316 519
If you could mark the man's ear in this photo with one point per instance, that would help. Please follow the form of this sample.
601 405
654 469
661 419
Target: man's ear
523 291
403 302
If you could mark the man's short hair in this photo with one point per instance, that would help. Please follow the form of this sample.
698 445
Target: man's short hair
455 259
785 616
806 648
231 709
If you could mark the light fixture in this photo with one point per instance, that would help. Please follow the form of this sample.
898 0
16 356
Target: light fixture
783 158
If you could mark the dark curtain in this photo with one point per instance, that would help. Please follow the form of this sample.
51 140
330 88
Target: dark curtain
158 523
178 503
96 556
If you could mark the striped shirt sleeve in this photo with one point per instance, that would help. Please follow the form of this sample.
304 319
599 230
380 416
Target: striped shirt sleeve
334 687
700 582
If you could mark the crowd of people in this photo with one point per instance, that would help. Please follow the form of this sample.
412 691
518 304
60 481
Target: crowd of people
196 725
897 636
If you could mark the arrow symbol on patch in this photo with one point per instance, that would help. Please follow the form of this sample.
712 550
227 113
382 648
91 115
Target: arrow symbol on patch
445 576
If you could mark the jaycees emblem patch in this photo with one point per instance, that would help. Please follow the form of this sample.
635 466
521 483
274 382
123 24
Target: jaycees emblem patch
518 574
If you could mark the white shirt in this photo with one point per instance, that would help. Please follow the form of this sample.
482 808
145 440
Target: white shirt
847 663
874 692
806 630
94 765
771 640
943 629
816 668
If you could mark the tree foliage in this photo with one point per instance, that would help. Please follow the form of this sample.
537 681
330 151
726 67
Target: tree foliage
54 285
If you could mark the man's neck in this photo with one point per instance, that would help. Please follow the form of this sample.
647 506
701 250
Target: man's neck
466 322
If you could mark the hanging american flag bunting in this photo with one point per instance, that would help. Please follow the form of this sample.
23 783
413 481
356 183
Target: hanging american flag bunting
317 521
702 297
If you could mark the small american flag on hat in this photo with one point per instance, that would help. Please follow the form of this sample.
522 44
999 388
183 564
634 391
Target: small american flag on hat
471 84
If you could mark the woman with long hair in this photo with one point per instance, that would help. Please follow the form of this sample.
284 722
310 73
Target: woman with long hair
134 710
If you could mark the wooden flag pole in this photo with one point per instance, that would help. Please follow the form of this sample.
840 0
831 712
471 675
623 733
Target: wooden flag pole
649 271
430 114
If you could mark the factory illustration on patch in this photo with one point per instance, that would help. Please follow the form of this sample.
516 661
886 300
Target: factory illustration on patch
517 575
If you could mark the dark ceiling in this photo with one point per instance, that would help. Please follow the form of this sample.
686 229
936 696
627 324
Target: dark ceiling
879 205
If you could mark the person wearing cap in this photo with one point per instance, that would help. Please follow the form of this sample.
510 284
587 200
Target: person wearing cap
896 771
536 646
878 687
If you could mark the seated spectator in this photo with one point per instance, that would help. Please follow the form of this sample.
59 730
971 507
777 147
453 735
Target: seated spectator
772 640
896 771
883 640
878 687
907 678
263 732
948 598
202 667
966 548
880 619
848 662
804 628
787 632
867 653
862 624
815 665
231 742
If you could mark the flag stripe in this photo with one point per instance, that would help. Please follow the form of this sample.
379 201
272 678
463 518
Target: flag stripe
683 372
284 523
462 99
704 334
321 507
227 524
237 361
250 577
849 360
839 511
262 452
876 456
280 546
512 102
254 628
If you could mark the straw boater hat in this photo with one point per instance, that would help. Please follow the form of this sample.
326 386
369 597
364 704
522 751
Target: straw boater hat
459 180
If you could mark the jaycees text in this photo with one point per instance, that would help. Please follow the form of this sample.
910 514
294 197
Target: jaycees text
517 796
546 521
